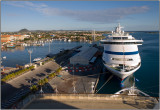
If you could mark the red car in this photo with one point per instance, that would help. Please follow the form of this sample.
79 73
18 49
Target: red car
2 73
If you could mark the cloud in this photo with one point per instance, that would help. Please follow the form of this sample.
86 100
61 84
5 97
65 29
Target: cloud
97 16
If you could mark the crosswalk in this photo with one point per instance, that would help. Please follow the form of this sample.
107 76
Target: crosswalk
12 100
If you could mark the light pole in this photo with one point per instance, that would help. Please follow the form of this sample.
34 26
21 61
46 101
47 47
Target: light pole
92 87
49 47
30 83
30 52
56 90
41 91
74 87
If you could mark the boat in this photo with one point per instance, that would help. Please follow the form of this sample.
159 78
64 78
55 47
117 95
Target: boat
11 45
121 56
37 59
4 57
65 40
69 40
133 90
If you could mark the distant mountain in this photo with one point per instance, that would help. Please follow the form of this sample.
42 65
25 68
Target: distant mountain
23 30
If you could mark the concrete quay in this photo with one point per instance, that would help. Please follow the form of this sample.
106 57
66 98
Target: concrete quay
89 101
75 81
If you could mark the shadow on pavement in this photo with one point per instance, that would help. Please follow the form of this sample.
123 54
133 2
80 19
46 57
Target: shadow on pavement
48 104
40 74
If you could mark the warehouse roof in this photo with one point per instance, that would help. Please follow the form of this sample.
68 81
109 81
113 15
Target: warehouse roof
86 53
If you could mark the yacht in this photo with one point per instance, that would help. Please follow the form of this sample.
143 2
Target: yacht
121 56
4 57
69 40
37 59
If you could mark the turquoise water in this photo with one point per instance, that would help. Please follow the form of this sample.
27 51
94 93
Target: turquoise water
148 74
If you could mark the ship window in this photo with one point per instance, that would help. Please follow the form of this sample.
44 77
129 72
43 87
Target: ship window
118 38
122 59
124 43
115 38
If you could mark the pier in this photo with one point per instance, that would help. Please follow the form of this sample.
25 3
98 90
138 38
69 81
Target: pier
87 101
75 83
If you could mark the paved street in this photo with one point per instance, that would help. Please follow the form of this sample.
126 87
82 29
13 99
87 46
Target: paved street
19 83
19 86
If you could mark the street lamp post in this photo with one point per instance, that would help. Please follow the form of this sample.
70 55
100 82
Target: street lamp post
41 91
30 83
30 52
49 47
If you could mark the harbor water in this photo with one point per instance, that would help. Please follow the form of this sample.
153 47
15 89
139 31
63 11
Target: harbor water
147 77
20 55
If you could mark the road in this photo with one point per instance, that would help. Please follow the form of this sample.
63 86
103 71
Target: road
19 86
22 82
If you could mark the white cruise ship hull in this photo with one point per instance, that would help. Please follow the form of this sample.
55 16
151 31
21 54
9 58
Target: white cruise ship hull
120 74
121 56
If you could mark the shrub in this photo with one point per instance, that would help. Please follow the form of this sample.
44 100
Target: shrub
12 75
45 80
41 82
58 70
3 80
34 88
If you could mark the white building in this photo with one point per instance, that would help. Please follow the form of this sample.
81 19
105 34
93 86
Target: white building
84 56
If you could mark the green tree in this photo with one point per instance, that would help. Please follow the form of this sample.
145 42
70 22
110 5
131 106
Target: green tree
33 88
45 80
59 69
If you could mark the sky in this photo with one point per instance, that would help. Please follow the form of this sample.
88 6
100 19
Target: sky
79 15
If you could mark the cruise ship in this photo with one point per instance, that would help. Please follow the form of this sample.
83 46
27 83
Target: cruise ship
121 56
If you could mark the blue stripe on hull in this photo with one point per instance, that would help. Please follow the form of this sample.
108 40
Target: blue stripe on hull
122 53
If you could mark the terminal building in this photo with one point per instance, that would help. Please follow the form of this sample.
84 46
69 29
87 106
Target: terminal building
84 56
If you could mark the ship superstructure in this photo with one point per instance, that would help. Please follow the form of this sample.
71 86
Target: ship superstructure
121 56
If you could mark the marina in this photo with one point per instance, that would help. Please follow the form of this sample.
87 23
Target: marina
77 78
80 55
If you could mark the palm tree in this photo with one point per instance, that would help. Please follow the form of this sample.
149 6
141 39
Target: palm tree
33 88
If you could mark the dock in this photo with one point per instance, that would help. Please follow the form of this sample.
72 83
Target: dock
72 80
75 83
87 101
